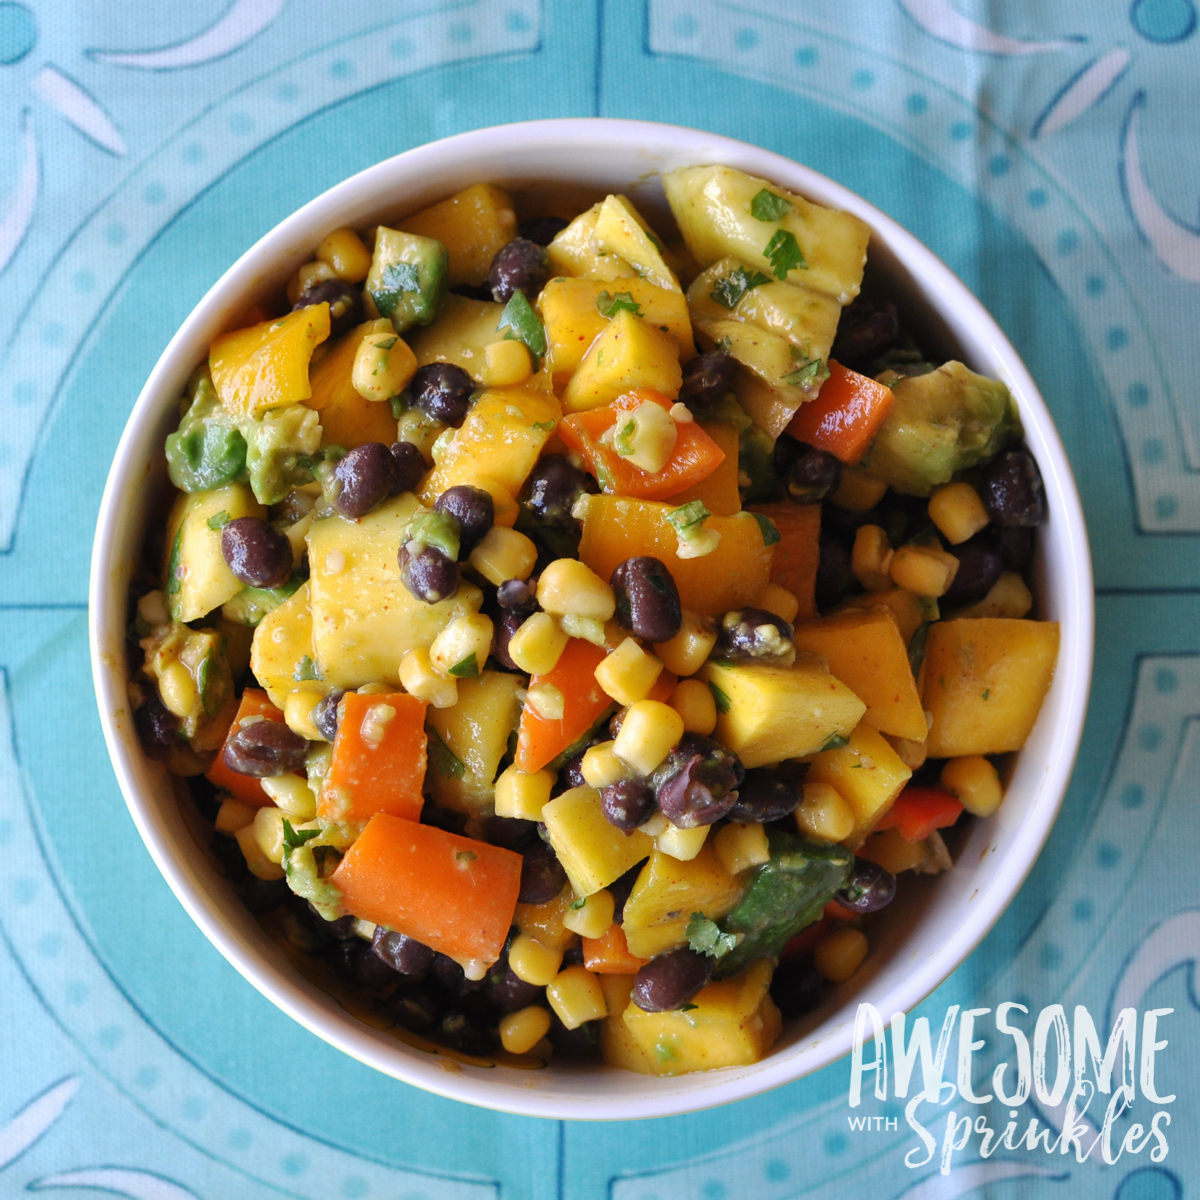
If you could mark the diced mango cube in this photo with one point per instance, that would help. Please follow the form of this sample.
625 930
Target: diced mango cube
630 353
472 224
593 851
866 772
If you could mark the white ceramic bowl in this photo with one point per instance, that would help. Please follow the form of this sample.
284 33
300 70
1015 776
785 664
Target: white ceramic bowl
925 934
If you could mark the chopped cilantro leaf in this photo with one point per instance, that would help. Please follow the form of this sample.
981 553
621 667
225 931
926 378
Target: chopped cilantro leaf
687 518
545 426
722 700
783 251
523 325
986 692
578 904
810 373
609 305
442 759
293 839
835 741
175 565
466 668
705 937
623 438
465 856
219 520
305 669
687 1007
916 648
398 278
770 535
768 206
732 287
204 684
387 343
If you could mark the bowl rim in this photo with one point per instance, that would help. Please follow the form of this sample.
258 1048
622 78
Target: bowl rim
108 586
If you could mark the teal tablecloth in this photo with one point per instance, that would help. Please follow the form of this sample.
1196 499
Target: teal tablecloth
1050 152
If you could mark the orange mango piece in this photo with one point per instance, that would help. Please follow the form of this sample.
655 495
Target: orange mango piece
798 551
718 491
348 419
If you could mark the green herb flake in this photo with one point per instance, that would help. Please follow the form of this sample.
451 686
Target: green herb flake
397 279
725 345
523 325
387 343
835 741
442 759
916 649
293 839
688 1007
578 904
609 305
687 518
783 252
808 375
465 856
722 700
987 693
545 426
769 206
219 520
466 668
623 438
705 937
770 534
305 670
731 288
175 565
205 685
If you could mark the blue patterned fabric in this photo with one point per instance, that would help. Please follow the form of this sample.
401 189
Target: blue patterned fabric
1050 153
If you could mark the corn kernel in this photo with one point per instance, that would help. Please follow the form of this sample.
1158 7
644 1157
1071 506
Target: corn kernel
839 954
859 490
462 648
537 645
521 1031
419 679
268 832
505 363
383 365
912 754
420 429
780 601
504 554
292 796
309 274
646 437
740 847
298 711
647 734
521 794
178 689
975 782
601 767
587 628
957 511
871 558
655 825
824 815
576 997
892 851
260 866
1009 597
547 701
533 962
693 701
682 844
593 917
923 570
234 815
628 674
689 649
344 251
569 586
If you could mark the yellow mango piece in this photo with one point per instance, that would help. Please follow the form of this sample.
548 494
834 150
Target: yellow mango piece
866 772
616 528
622 230
867 653
731 1023
346 418
719 491
668 890
910 611
618 1046
282 640
630 353
501 438
592 851
766 713
767 356
576 251
472 224
544 922
461 335
267 364
985 680
771 409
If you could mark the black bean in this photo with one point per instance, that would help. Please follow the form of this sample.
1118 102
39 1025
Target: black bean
429 574
475 510
519 266
262 896
616 721
343 929
814 474
647 599
410 466
542 875
542 230
833 572
707 379
508 624
449 976
753 634
571 773
573 956
345 305
869 887
473 291
363 966
504 991
510 832
697 785
307 934
576 1043
764 796
467 1034
670 980
517 596
620 889
443 391
264 748
326 714
366 476
257 553
1016 545
233 862
551 490
414 1008
1012 490
796 987
401 952
979 566
867 329
627 803
156 724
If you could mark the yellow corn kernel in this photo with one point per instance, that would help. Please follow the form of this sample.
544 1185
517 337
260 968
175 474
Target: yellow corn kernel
912 754
682 844
859 490
1010 597
923 570
646 437
840 953
957 511
258 863
780 601
547 701
178 689
504 554
522 1030
893 851
655 825
689 649
601 767
576 997
522 794
628 674
587 628
693 701
823 814
383 365
462 648
419 679
506 363
233 815
344 251
647 734
569 586
740 847
537 645
975 782
533 962
593 917
268 832
298 711
292 796
420 429
310 273
871 558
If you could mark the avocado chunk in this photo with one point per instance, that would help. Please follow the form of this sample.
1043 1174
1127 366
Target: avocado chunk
408 277
251 604
943 422
207 450
281 445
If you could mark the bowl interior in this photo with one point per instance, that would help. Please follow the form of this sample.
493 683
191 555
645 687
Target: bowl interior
932 926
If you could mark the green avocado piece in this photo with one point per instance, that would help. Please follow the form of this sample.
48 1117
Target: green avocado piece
408 278
281 449
943 422
251 604
207 450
